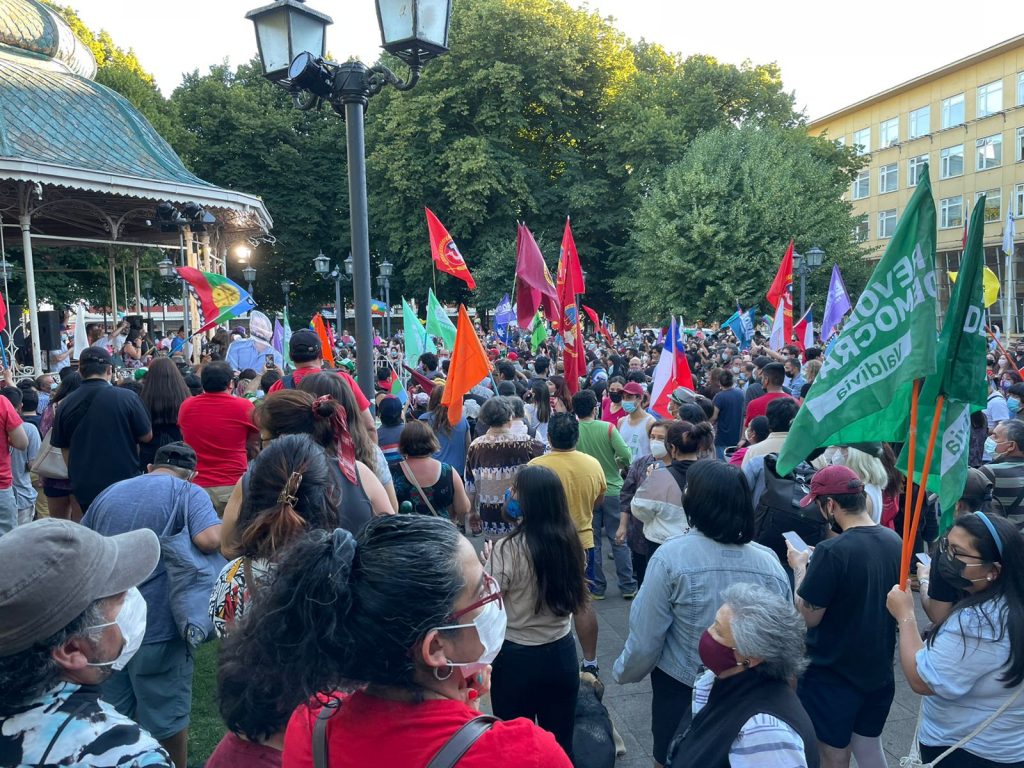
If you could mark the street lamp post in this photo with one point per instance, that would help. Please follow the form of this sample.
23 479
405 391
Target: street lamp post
292 43
386 270
286 285
322 265
249 275
803 265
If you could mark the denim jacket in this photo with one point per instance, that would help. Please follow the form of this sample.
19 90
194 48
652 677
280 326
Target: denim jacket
679 598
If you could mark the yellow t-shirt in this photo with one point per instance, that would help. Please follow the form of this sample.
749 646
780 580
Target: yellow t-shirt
584 483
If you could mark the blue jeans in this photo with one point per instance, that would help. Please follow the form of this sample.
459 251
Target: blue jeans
606 523
8 511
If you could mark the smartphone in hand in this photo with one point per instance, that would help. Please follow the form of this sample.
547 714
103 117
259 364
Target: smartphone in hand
794 538
269 360
925 558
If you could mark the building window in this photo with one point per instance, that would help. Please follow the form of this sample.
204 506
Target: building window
1019 147
951 162
862 185
862 141
886 223
862 229
951 212
914 169
990 98
920 122
889 133
989 152
953 111
993 204
1018 200
1020 88
888 178
841 141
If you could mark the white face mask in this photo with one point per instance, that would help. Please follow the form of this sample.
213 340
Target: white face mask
490 626
658 449
131 620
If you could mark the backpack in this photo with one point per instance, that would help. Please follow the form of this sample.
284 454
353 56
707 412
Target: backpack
778 510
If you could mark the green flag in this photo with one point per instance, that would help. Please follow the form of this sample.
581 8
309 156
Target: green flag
540 332
439 324
863 391
285 353
960 376
415 335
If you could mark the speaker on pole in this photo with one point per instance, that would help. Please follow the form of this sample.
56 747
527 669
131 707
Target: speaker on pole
49 329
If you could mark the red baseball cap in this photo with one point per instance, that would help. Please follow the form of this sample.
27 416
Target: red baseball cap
513 356
833 479
634 388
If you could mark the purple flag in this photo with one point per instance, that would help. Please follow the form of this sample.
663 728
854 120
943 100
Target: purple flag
837 304
277 340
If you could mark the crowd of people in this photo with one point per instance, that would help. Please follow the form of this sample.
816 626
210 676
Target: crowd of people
390 586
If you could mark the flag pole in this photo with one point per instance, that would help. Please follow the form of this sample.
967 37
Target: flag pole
1002 349
911 456
908 544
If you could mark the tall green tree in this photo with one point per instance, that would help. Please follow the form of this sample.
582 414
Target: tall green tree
714 230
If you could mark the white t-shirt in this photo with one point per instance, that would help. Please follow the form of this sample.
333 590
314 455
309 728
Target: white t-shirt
636 436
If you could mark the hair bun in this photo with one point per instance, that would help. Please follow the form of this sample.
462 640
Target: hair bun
702 429
343 552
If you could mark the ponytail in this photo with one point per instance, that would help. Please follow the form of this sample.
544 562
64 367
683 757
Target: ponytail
326 408
275 526
686 437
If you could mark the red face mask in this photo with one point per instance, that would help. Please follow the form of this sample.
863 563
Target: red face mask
715 656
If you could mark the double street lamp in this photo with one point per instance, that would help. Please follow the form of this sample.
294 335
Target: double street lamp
292 43
322 264
384 283
803 265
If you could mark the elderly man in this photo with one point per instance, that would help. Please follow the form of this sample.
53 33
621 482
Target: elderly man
71 614
1006 446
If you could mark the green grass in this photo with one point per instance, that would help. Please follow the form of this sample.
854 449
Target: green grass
206 728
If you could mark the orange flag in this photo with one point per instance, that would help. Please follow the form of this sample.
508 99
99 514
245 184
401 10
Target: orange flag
469 366
326 350
446 253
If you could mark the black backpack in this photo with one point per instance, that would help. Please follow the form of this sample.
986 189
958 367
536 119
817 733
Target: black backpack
778 510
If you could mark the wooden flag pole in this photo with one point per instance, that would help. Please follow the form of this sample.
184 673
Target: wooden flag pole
912 445
908 543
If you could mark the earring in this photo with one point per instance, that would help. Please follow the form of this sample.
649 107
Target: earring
440 679
989 577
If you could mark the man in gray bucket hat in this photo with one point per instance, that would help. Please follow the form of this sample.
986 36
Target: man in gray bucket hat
71 613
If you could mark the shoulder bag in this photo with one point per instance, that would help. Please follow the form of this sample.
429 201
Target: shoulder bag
49 462
411 477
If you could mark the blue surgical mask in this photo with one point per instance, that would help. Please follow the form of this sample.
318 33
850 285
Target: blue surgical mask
990 447
1013 403
628 406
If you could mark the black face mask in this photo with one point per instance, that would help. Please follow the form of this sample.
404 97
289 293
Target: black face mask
830 519
952 570
615 397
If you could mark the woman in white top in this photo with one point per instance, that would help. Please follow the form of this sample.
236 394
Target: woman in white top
538 409
636 426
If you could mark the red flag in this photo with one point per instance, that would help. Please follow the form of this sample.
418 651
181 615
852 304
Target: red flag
782 291
533 281
446 254
424 383
570 283
598 325
469 366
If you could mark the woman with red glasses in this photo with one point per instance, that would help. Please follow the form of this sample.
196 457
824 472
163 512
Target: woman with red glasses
403 615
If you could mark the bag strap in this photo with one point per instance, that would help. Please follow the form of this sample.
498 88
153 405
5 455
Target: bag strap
1015 505
985 724
460 742
320 732
411 477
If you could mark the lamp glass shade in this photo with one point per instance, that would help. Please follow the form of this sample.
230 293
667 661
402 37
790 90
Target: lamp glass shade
285 29
7 268
322 264
166 269
814 257
414 30
386 268
249 274
348 265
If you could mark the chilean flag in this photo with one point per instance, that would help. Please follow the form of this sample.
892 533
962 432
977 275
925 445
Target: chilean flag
673 370
803 331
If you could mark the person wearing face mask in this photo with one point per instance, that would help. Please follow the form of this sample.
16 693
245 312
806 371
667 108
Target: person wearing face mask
744 712
757 431
971 670
848 688
1014 397
71 615
405 616
631 530
996 409
1006 446
612 411
637 425
539 567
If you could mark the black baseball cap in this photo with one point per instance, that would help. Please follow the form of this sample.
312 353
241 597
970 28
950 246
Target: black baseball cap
178 455
95 355
304 343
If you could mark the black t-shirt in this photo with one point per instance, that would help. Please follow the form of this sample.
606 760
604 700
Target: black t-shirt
730 417
100 425
850 576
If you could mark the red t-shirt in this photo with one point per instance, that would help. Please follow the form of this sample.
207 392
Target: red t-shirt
300 373
232 751
370 731
759 405
9 419
217 426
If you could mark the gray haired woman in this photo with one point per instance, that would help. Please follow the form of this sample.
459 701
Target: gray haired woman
745 711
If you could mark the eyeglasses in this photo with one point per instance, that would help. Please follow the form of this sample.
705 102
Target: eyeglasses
944 548
492 593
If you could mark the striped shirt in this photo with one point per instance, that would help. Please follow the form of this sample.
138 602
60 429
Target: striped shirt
764 741
1008 478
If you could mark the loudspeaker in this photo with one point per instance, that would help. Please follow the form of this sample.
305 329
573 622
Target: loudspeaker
49 329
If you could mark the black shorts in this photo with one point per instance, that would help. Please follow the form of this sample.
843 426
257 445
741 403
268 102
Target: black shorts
838 709
670 701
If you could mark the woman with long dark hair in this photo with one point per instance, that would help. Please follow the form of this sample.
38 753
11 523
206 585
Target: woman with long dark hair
971 670
60 502
540 569
538 409
404 616
682 588
454 439
561 397
163 392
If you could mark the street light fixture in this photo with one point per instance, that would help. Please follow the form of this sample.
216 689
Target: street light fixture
249 275
803 265
322 265
242 253
292 42
384 281
166 269
7 269
286 286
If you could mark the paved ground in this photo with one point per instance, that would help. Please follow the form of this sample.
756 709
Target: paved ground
630 705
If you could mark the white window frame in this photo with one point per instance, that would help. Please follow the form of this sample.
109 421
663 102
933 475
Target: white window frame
945 205
992 195
1020 89
889 132
944 164
1019 145
983 163
988 96
913 168
947 106
862 236
888 178
862 147
1018 200
884 218
863 176
915 115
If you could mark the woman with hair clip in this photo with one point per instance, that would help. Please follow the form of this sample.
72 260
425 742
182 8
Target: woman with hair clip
289 490
367 449
540 569
454 439
971 669
295 412
163 392
404 616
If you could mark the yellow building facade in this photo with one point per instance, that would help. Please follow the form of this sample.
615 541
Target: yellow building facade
966 121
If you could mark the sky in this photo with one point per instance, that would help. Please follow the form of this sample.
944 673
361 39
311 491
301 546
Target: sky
831 55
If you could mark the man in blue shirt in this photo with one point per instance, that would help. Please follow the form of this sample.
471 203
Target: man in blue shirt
252 352
728 414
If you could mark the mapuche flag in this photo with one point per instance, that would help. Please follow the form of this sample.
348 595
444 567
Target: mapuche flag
863 391
960 376
219 298
445 252
533 281
570 283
